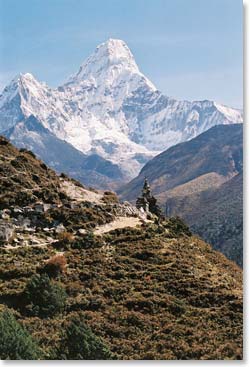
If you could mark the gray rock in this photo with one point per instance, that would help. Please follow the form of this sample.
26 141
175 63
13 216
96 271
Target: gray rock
7 230
60 228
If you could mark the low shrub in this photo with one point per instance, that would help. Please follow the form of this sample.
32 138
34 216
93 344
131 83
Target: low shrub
30 153
177 227
89 240
43 166
65 237
110 197
55 266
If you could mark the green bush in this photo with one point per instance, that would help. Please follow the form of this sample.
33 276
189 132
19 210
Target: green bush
15 341
44 297
78 342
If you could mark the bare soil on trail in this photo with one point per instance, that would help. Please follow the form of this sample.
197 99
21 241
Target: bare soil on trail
120 222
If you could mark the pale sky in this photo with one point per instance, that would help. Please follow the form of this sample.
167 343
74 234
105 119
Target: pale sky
190 49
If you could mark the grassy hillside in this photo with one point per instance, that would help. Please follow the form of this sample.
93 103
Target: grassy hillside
148 291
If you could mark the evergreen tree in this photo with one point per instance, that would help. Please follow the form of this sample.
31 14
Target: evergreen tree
78 342
15 341
44 297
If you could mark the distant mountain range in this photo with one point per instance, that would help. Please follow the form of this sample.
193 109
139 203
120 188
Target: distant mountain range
108 110
62 156
201 181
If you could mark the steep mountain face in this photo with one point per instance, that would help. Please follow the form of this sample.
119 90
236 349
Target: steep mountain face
216 214
111 109
201 181
213 157
62 156
149 290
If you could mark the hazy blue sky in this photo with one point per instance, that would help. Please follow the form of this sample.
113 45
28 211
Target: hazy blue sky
190 49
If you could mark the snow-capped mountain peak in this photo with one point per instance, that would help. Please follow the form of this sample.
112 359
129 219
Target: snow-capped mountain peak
111 109
22 84
111 63
113 54
26 77
22 78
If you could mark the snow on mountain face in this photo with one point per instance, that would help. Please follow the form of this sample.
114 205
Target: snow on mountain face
111 109
90 169
108 61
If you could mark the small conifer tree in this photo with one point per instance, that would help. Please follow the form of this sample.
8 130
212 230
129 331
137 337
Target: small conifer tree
44 297
15 341
78 342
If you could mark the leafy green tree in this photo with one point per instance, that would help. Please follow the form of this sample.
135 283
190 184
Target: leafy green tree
79 342
44 297
15 341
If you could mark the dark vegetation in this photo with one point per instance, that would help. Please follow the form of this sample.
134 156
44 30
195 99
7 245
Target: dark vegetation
24 179
43 297
15 341
55 266
87 216
79 342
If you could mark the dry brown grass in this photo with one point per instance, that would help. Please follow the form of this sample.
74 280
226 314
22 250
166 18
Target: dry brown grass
55 266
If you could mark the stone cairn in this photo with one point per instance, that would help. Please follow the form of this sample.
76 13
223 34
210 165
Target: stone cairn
147 201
